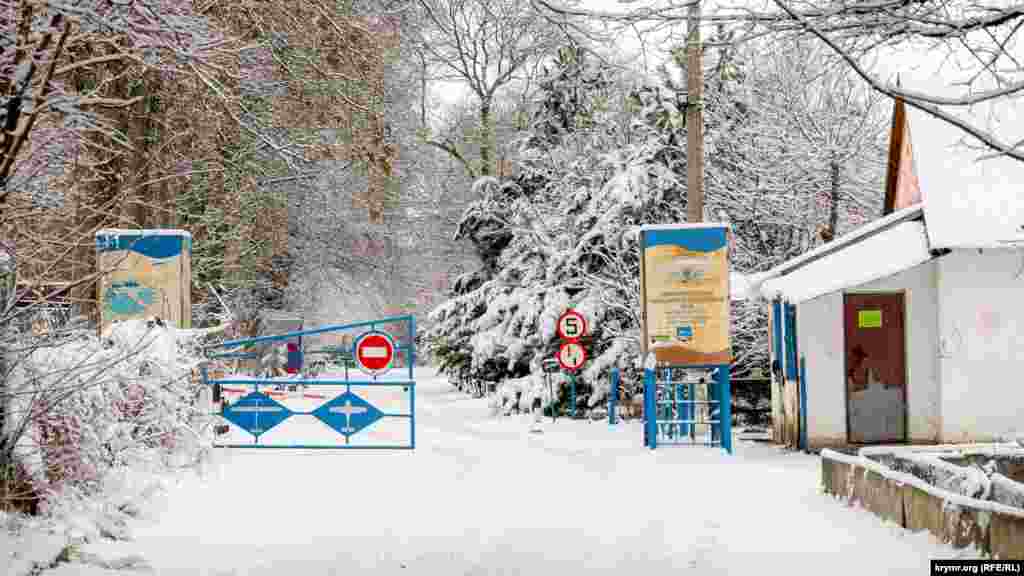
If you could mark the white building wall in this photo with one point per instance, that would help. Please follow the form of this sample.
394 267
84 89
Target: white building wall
981 344
821 340
921 328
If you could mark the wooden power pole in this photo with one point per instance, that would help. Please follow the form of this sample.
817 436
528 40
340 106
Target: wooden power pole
694 118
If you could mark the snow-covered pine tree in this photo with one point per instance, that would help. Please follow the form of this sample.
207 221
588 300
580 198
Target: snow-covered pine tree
597 162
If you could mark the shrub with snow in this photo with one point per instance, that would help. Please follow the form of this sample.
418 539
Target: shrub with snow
81 407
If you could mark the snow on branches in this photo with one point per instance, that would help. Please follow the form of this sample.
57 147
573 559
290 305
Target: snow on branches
80 407
562 233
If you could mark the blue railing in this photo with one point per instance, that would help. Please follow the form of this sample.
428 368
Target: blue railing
670 407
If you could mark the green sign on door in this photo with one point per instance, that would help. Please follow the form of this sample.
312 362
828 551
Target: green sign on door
869 318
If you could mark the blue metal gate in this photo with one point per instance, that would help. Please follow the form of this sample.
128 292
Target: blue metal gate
691 405
319 405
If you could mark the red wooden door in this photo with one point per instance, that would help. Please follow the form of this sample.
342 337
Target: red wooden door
876 368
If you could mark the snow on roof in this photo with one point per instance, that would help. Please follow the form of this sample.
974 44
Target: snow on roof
756 282
888 252
970 202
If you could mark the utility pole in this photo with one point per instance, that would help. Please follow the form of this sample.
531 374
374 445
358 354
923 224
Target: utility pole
694 118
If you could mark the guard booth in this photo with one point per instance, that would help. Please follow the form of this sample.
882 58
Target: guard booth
364 398
684 292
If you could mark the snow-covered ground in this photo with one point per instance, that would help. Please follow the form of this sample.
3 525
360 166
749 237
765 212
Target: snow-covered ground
482 495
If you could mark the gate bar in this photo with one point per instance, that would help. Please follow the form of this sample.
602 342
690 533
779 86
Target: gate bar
332 328
308 381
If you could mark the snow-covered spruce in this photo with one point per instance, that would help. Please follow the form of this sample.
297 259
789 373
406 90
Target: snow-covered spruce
603 157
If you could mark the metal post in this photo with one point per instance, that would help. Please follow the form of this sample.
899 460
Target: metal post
412 345
613 396
803 404
551 394
549 365
716 429
691 413
666 412
725 407
572 400
650 417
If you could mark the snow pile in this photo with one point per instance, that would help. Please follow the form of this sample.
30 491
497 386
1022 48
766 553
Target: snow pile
83 408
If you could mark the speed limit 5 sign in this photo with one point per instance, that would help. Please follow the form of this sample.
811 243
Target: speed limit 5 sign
572 325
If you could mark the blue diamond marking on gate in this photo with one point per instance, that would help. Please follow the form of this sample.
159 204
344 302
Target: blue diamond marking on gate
348 413
256 413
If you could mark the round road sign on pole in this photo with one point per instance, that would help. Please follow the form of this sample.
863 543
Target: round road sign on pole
572 325
571 355
374 351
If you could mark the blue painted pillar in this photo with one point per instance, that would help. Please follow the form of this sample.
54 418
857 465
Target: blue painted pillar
681 409
650 418
665 410
613 396
715 393
690 412
803 403
572 393
725 407
412 346
412 416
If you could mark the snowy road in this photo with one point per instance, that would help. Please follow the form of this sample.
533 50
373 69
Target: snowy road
483 496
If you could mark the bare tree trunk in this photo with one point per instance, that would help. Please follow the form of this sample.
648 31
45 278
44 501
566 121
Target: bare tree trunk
833 214
135 123
486 137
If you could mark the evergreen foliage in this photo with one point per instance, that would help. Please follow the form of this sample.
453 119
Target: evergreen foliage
597 162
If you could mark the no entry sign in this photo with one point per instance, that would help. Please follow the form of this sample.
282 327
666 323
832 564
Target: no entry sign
374 352
572 355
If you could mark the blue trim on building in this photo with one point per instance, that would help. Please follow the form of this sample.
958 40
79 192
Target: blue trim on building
803 403
790 337
777 331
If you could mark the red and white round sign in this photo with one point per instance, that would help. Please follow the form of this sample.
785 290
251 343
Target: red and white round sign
572 325
571 355
374 352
